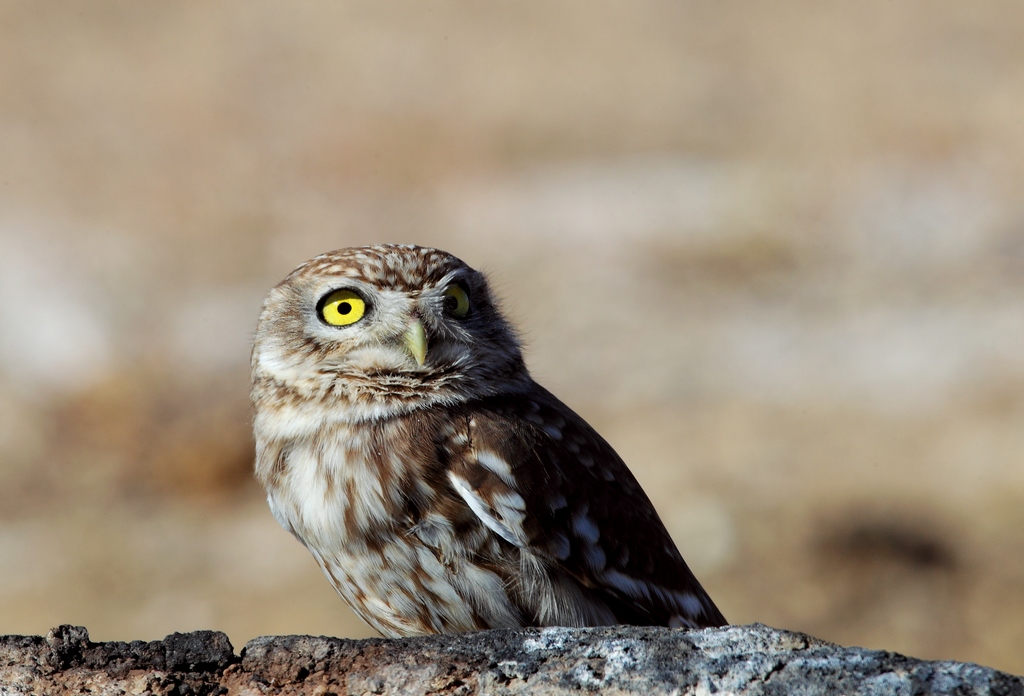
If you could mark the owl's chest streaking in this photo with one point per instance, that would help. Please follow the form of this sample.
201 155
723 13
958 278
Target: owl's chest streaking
372 503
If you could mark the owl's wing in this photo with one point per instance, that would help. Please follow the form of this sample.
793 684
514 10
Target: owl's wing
592 548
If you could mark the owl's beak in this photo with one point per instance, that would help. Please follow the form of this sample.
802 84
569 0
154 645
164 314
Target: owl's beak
416 341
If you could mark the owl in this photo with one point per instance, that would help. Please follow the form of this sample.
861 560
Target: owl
401 439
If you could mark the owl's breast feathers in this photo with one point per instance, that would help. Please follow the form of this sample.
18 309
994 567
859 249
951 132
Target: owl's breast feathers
513 496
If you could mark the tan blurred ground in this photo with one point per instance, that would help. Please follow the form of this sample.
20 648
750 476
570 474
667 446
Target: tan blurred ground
774 251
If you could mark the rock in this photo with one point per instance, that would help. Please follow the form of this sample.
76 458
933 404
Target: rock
751 659
66 661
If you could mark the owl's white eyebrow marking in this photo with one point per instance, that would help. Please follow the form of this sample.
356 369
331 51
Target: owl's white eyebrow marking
450 277
483 510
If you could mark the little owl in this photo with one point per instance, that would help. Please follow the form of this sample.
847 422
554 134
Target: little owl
401 438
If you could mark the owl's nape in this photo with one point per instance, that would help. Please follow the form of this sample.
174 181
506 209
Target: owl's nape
401 438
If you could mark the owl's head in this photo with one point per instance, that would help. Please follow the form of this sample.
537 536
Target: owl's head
369 332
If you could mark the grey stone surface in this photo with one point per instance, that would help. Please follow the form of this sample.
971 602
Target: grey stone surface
751 659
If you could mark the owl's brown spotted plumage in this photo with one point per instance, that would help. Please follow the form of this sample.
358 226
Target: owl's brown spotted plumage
400 437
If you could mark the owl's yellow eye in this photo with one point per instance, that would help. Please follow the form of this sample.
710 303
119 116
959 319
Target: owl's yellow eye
456 301
342 307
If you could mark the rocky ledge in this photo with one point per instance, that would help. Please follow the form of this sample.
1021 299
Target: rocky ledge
751 659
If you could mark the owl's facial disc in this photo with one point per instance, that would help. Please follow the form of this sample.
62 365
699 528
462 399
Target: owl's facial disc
392 329
378 330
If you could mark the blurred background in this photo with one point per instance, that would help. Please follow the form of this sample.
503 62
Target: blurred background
774 252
